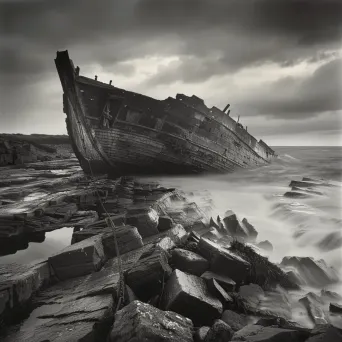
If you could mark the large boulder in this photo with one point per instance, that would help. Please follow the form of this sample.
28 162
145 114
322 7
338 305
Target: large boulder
239 229
189 296
189 262
223 261
142 322
314 272
78 259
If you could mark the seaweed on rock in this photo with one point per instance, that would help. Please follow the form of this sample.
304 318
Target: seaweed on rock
263 272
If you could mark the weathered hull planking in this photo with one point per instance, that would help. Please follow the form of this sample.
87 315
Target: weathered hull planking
121 132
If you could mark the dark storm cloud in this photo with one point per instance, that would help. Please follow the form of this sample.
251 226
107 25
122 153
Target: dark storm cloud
299 97
259 30
209 37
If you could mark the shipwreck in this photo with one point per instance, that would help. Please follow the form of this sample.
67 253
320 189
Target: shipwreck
121 132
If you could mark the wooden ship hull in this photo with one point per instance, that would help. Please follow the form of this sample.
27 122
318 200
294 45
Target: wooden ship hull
120 132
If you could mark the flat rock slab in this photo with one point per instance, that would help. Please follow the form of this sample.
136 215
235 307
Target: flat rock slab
79 259
59 323
223 261
79 309
189 296
142 322
18 283
258 333
189 262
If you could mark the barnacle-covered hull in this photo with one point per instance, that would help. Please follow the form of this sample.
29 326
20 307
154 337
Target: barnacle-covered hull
122 132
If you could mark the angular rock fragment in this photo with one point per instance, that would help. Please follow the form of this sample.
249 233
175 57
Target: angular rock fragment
220 293
266 245
297 194
313 305
269 303
331 241
189 262
127 237
234 320
146 277
164 223
314 272
330 295
223 261
251 295
79 259
336 308
146 221
239 229
219 332
189 296
142 322
227 283
201 333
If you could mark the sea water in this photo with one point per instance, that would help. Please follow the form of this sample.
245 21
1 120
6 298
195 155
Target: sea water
293 226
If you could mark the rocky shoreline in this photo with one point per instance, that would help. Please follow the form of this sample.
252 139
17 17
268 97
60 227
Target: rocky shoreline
187 276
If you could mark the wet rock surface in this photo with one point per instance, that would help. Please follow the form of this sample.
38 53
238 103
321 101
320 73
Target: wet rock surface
314 272
258 333
220 331
189 295
79 259
189 262
223 261
185 277
313 304
235 320
142 322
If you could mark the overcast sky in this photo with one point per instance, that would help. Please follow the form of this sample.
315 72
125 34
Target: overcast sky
278 62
